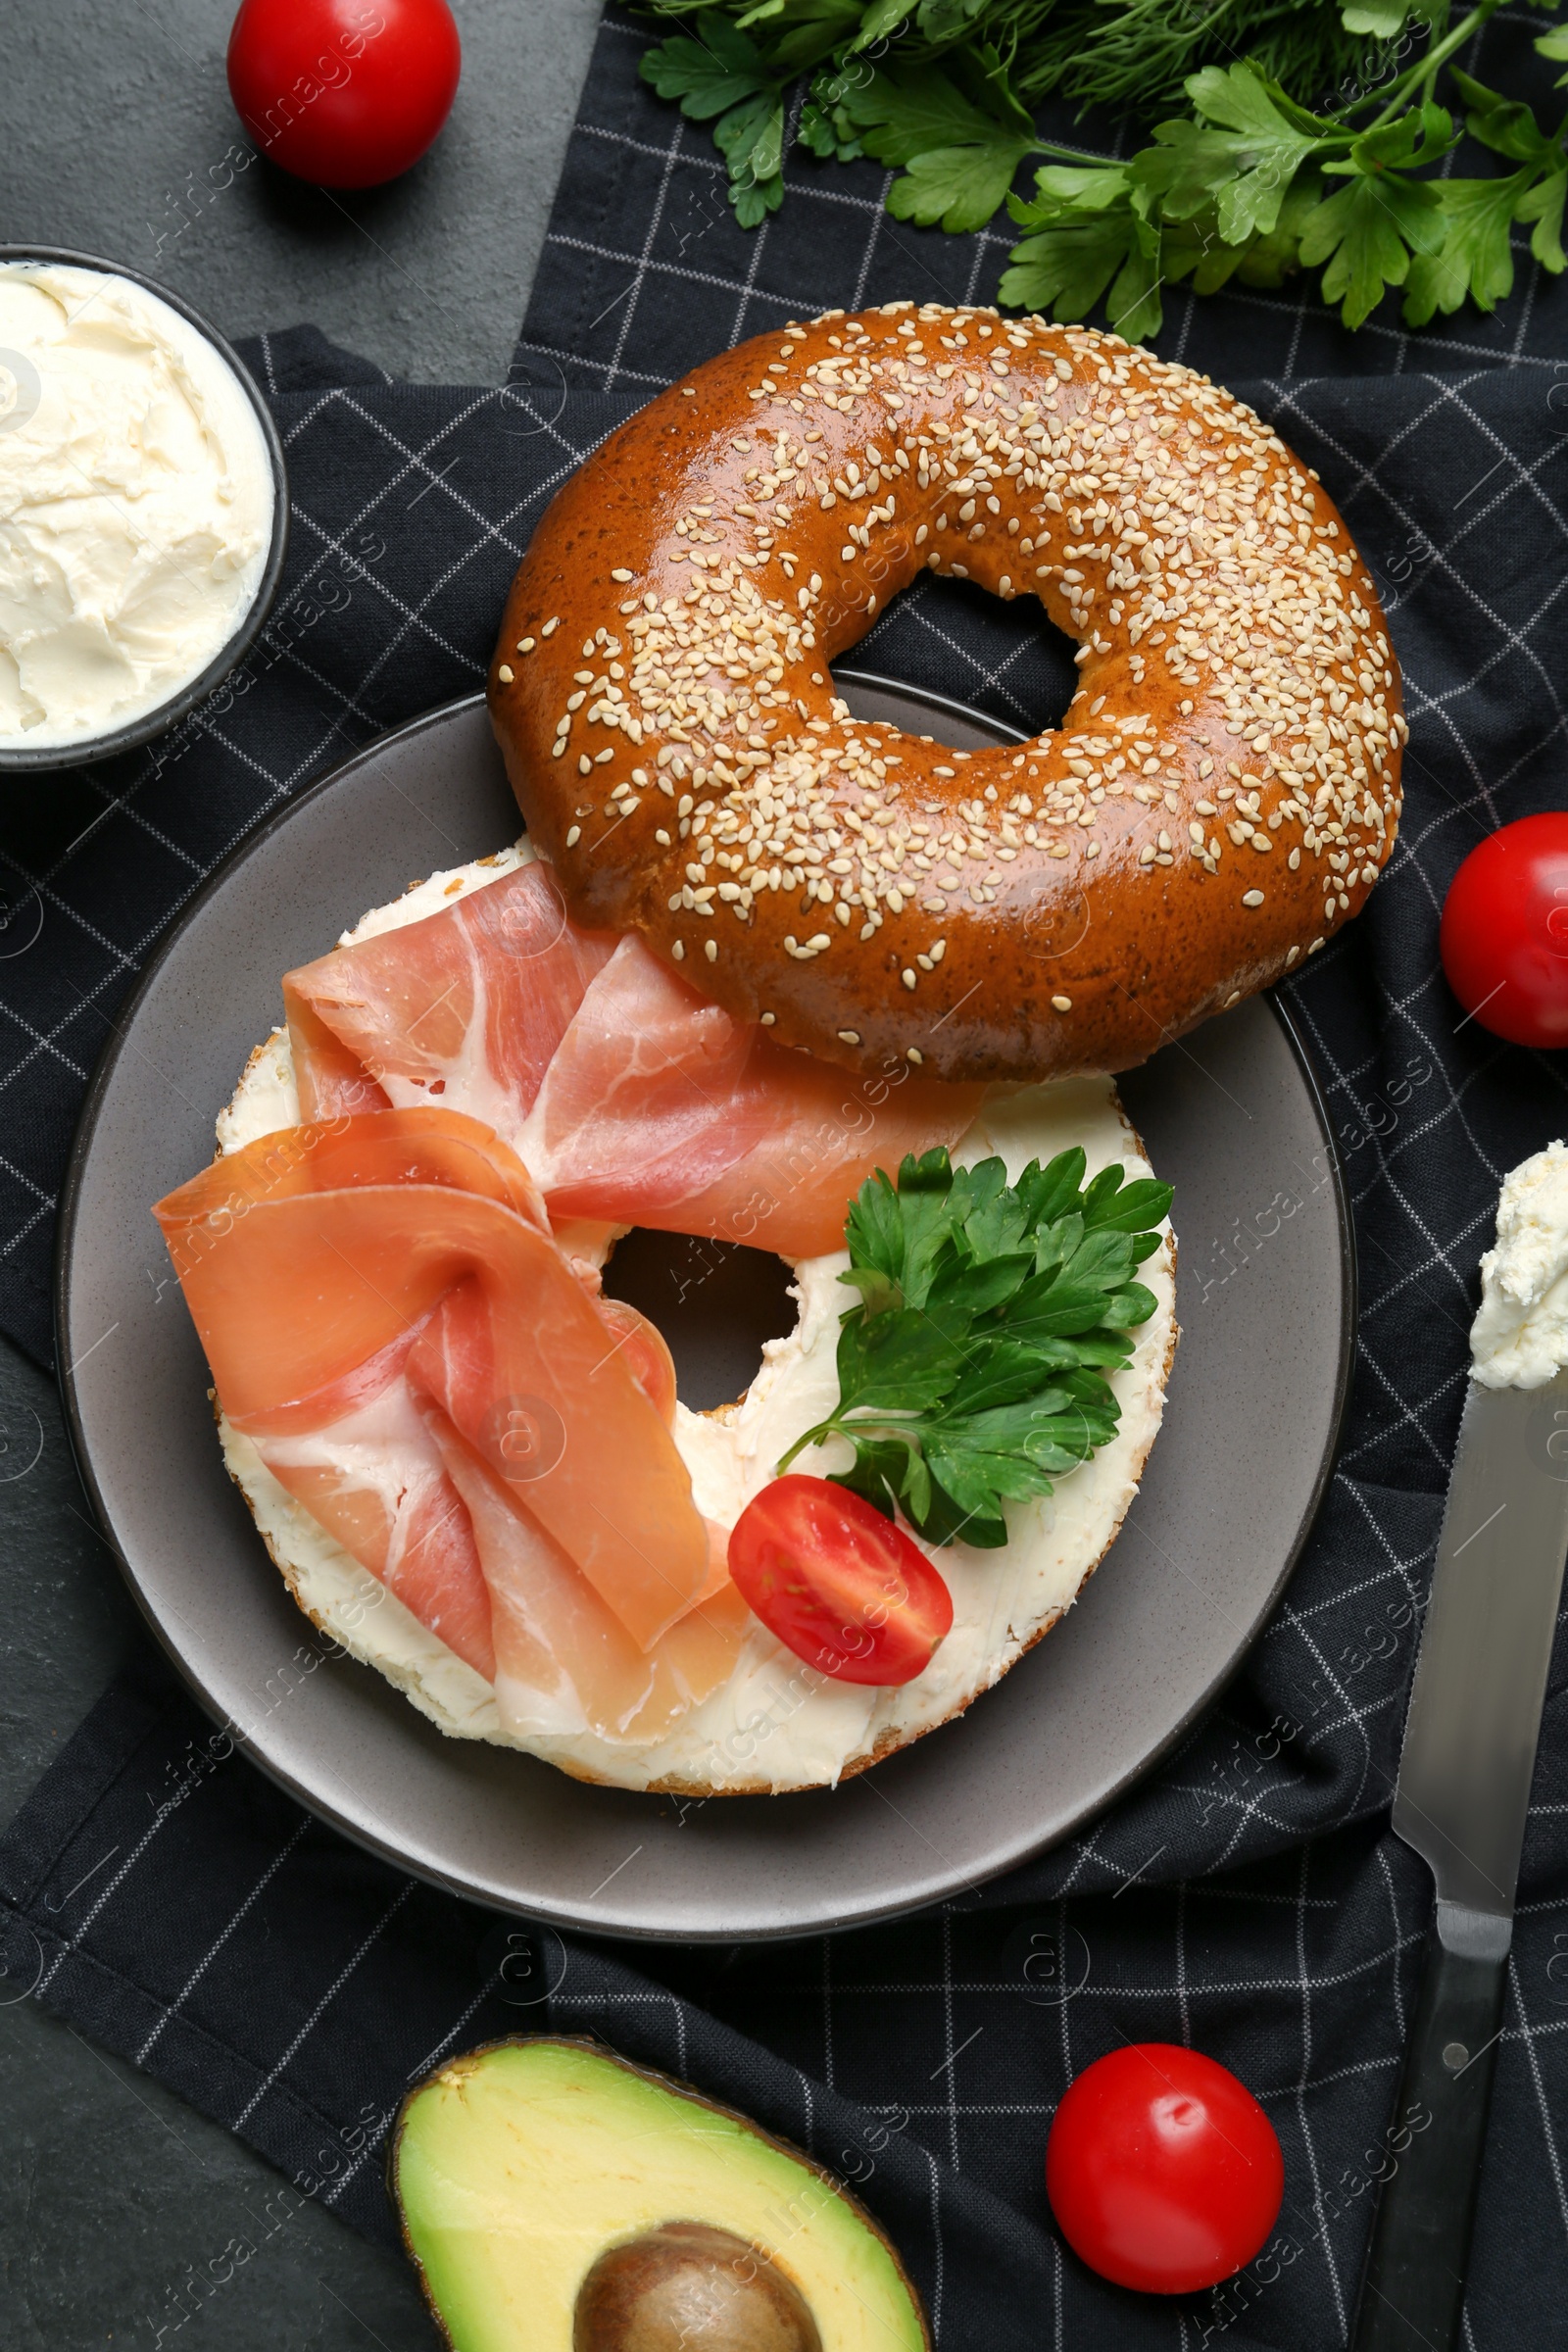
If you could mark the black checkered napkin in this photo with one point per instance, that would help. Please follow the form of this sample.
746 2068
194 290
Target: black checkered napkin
1248 1896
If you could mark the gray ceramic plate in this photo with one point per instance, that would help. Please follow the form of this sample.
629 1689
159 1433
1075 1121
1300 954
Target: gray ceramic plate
1266 1302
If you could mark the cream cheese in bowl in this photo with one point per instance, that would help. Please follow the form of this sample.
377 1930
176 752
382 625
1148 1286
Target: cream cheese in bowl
139 522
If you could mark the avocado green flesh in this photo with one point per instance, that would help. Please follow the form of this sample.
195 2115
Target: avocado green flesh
516 2166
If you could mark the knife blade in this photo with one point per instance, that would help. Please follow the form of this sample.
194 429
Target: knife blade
1461 1800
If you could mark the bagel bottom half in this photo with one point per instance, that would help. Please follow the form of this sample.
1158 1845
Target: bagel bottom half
776 1724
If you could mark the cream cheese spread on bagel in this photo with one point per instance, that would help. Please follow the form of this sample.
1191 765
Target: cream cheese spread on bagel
775 1723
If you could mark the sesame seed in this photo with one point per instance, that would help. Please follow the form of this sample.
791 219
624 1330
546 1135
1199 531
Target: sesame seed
1178 548
573 836
913 1054
1063 1004
503 674
1252 898
678 951
711 949
909 976
551 625
525 645
848 1036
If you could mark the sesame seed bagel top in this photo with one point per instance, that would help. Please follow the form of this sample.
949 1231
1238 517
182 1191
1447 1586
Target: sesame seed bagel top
1219 798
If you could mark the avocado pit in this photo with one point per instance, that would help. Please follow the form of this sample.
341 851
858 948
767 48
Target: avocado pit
687 2287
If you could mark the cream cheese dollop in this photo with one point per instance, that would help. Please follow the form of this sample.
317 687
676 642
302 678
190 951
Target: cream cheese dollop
136 504
1519 1338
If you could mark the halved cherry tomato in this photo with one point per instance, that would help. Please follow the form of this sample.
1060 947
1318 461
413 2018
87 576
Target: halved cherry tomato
1162 2170
1504 937
347 93
839 1585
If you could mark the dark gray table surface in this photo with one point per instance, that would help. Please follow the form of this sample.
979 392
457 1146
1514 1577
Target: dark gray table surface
112 111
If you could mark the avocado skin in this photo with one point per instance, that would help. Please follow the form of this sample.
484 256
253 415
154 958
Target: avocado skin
901 2324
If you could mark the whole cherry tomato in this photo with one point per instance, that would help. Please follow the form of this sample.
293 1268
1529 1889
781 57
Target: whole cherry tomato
346 93
1162 2170
1504 937
839 1585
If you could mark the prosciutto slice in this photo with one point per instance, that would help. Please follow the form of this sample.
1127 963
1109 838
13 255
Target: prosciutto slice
564 1661
633 1100
467 1006
659 1109
376 1480
321 1264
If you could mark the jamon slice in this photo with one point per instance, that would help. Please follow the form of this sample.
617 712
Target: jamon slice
564 1661
550 1408
376 1479
296 1287
437 1146
467 1004
329 1075
659 1109
634 1099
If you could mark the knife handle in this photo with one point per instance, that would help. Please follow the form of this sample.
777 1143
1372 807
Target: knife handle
1412 2289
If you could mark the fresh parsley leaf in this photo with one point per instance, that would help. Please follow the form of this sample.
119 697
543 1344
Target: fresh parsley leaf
896 1362
1089 243
1243 152
1366 233
972 1370
710 74
799 33
1128 1307
724 75
1269 261
957 128
1475 257
1050 1193
1112 1206
1544 205
1384 20
824 130
1503 124
1005 1373
750 139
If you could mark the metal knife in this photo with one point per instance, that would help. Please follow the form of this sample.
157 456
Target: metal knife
1461 1799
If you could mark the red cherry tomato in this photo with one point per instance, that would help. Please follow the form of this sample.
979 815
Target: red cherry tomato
1504 937
346 93
837 1584
1162 2170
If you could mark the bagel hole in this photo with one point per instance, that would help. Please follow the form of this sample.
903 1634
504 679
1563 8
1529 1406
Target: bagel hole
1042 675
716 1303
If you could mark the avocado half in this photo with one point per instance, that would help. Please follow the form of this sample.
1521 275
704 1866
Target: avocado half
557 2199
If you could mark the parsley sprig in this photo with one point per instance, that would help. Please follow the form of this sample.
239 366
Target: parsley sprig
1305 145
972 1371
